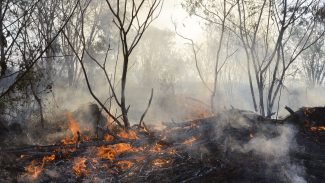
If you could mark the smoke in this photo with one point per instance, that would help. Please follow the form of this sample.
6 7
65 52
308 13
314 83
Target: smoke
276 151
295 173
270 145
165 62
276 147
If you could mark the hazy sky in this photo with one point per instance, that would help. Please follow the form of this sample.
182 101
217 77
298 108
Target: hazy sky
186 25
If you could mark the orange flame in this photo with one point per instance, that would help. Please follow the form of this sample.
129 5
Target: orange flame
131 134
35 169
73 125
190 141
108 137
156 148
161 161
124 164
79 166
317 128
74 128
109 152
48 158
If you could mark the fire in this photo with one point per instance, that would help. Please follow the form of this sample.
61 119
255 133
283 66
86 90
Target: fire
317 128
108 137
106 152
124 164
35 168
48 158
73 125
74 128
109 152
161 161
156 148
83 165
190 141
79 166
130 134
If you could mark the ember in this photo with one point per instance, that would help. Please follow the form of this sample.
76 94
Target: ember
318 128
161 162
124 164
190 141
34 169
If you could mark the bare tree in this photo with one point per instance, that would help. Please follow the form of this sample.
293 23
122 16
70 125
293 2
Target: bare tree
131 26
216 14
266 32
313 62
268 44
26 43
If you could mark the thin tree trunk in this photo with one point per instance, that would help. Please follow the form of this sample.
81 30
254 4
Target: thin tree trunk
39 103
123 85
3 63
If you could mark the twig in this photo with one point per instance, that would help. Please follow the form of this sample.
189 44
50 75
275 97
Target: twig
145 112
290 111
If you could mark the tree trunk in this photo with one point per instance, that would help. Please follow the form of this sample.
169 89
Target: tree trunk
3 43
123 105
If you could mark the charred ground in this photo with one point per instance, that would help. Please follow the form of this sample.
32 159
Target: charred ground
232 146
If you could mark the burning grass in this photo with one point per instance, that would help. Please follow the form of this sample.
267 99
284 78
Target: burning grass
317 128
161 162
36 167
112 158
79 166
189 152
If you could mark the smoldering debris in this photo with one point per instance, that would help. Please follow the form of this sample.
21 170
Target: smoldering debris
231 146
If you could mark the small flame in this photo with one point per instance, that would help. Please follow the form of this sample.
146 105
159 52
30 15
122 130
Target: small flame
317 128
108 137
124 164
161 161
156 148
73 125
109 152
35 168
131 134
48 158
74 128
190 141
79 166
